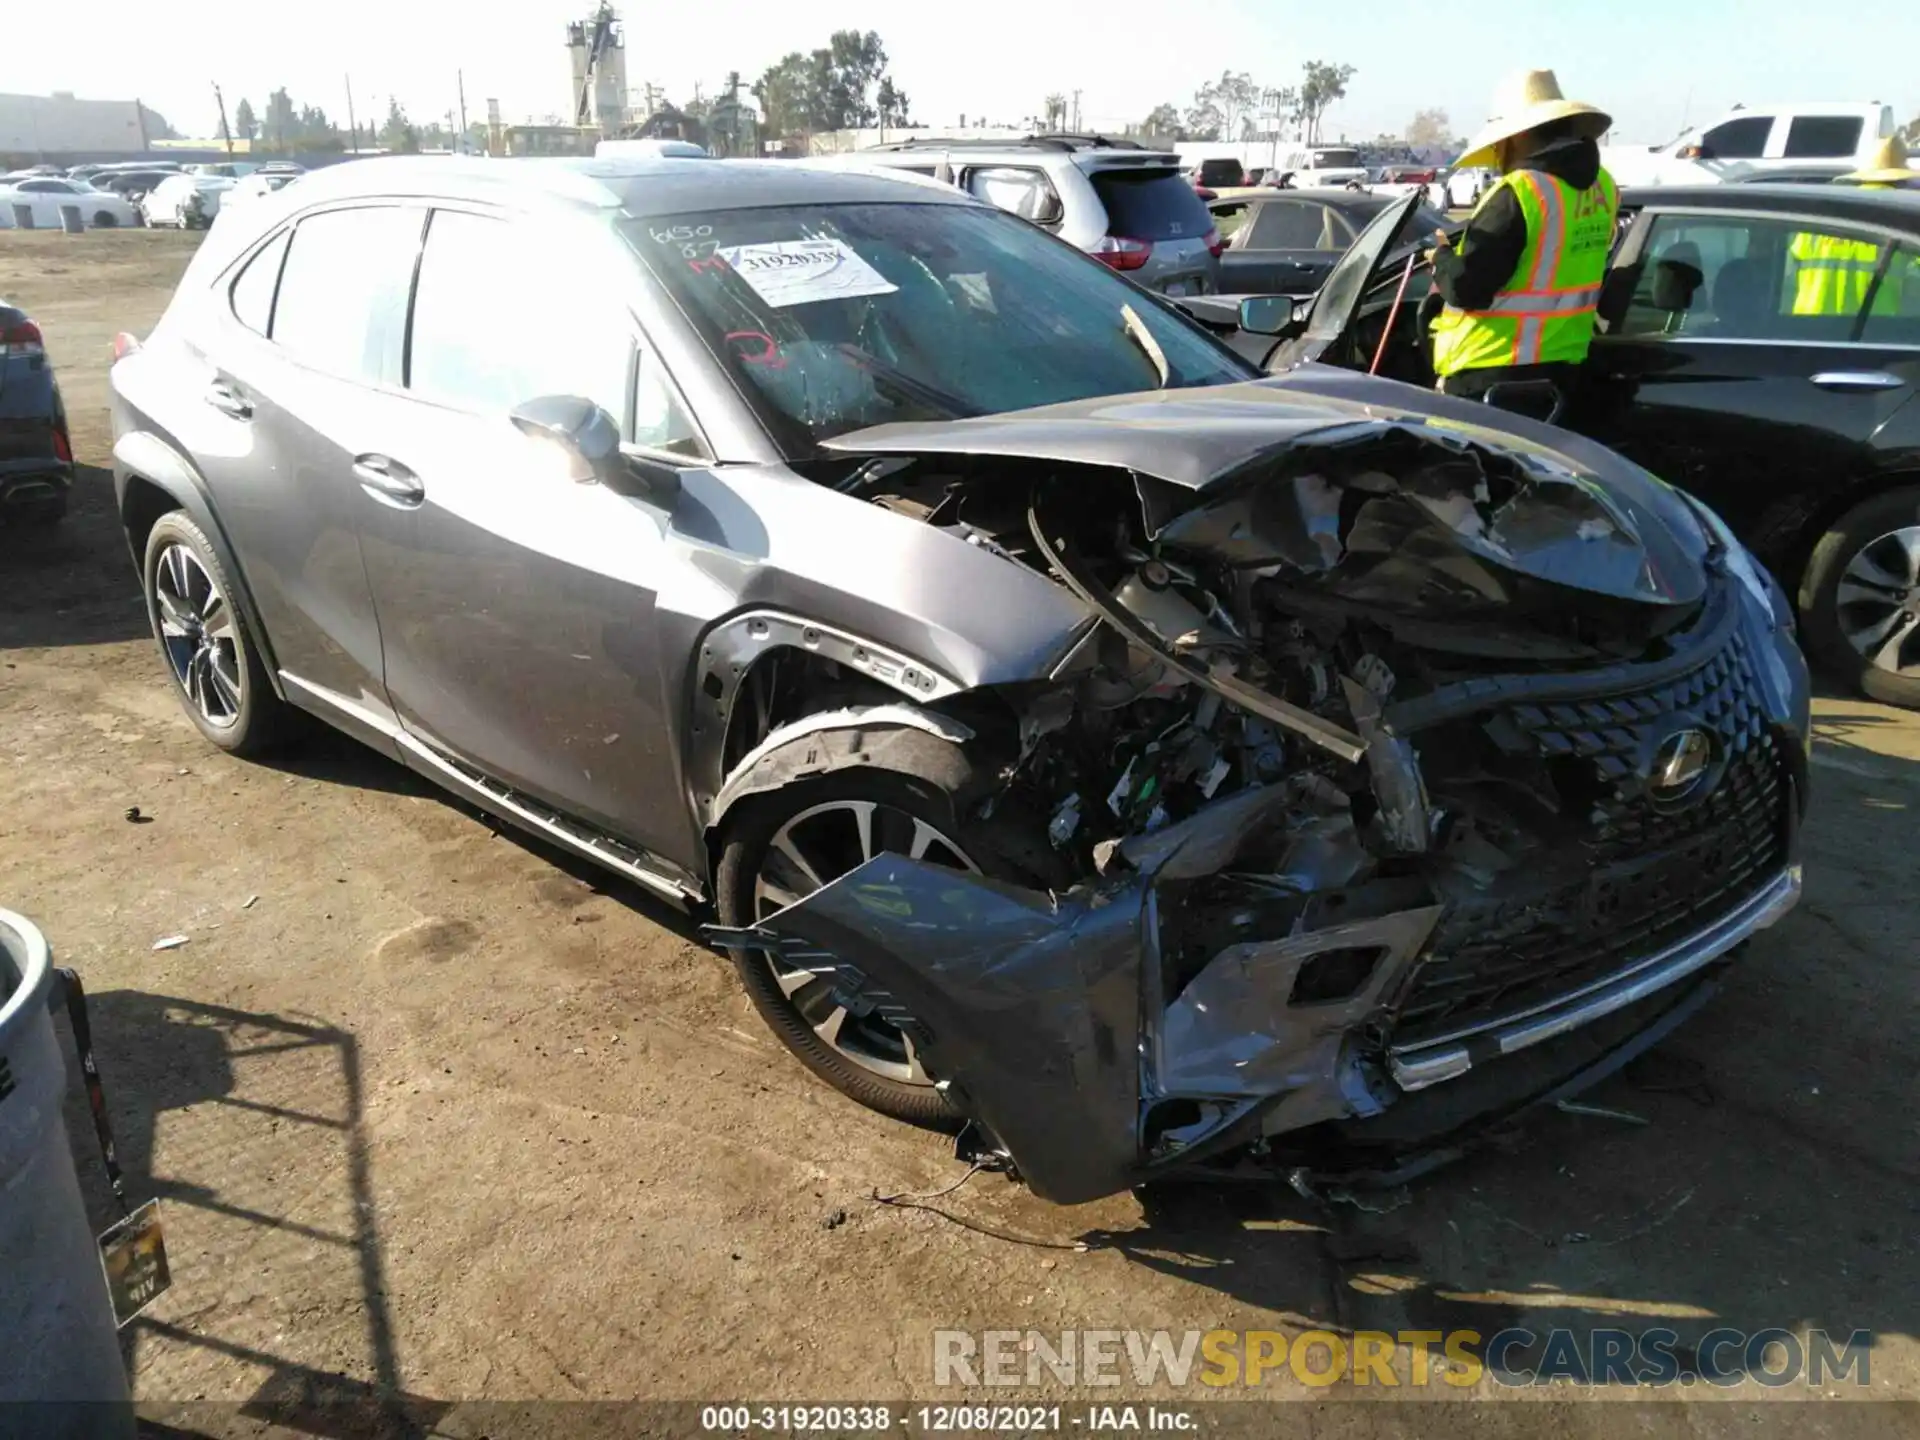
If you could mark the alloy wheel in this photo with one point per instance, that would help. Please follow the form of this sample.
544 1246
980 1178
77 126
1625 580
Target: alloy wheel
1878 601
815 847
198 634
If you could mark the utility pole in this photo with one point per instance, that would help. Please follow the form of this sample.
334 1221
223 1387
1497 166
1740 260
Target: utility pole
226 132
353 126
460 79
1075 127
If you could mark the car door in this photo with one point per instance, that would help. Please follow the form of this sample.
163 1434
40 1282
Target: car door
1730 394
302 330
516 604
1285 248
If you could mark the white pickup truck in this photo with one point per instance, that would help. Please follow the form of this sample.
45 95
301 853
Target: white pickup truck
1747 142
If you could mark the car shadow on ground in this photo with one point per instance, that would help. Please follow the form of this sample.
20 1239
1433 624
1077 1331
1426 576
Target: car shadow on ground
72 583
1756 1171
213 1075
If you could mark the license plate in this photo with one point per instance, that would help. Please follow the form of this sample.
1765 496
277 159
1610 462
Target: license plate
1175 287
134 1255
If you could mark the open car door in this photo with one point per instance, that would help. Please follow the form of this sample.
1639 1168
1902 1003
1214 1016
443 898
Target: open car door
1338 306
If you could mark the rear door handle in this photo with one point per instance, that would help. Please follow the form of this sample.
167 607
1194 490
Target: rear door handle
229 401
1857 380
388 481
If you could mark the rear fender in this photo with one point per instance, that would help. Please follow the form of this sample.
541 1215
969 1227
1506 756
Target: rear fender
141 456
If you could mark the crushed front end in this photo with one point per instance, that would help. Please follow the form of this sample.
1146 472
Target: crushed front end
1403 776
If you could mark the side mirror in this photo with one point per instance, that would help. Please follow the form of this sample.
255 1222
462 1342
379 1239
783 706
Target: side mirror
1694 152
590 439
1266 314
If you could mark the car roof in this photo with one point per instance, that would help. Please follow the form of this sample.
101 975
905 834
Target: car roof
1834 202
639 185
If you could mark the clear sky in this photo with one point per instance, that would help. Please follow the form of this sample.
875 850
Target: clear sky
1651 63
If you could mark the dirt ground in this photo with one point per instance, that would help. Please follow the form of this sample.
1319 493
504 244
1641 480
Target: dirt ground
437 1112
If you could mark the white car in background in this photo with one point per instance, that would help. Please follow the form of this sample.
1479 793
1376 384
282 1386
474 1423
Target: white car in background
186 202
1319 166
43 197
261 182
1748 142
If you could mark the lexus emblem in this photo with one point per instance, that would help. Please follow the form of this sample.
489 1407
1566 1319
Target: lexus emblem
1680 764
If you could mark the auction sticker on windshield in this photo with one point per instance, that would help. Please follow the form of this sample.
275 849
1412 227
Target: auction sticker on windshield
802 272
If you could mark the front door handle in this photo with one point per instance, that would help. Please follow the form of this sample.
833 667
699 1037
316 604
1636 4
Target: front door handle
229 401
388 481
1857 380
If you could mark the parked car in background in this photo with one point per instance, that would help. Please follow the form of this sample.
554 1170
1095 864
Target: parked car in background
226 169
1220 173
1314 167
1791 175
44 196
1132 209
130 185
186 201
1464 188
1802 429
267 180
36 454
1759 138
1283 242
1004 661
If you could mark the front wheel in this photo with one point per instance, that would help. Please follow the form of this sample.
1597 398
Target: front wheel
782 846
1860 598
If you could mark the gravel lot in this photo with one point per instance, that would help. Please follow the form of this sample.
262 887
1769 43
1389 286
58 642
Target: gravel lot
435 1111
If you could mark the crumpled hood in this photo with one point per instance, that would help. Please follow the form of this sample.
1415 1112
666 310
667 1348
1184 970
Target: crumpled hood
1583 516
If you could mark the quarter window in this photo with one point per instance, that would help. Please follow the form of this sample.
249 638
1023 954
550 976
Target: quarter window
1893 313
1018 191
1823 137
253 289
341 305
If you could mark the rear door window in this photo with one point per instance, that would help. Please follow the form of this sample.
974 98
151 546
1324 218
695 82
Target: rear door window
1742 139
1297 225
1150 205
342 300
1823 137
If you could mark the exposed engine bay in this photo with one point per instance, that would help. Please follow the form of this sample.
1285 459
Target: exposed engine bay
1354 772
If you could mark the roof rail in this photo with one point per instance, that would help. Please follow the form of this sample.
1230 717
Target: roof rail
1046 142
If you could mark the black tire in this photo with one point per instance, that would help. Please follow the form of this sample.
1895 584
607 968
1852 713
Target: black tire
260 721
1820 612
106 220
746 839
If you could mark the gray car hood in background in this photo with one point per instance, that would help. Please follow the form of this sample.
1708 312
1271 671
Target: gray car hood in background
1192 447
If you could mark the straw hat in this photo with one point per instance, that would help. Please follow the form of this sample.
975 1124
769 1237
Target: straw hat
1888 166
1526 102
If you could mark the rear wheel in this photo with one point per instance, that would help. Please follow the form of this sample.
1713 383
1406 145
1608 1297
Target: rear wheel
216 669
105 220
1860 598
787 844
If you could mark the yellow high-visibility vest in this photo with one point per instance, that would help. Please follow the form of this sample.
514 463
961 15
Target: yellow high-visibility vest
1544 314
1832 275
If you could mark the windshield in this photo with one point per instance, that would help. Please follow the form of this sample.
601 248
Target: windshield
835 318
1336 159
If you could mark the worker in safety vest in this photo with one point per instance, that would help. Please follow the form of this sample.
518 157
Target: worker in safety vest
1522 285
1832 273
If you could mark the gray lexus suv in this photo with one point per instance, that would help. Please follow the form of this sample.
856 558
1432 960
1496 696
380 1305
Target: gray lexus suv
1068 731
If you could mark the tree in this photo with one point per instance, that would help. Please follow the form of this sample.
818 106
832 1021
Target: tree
1164 119
1056 112
1203 120
1430 127
785 93
280 129
244 125
399 134
1321 84
892 103
1233 98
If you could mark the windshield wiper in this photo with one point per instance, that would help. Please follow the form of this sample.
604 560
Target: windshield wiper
951 406
1137 331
